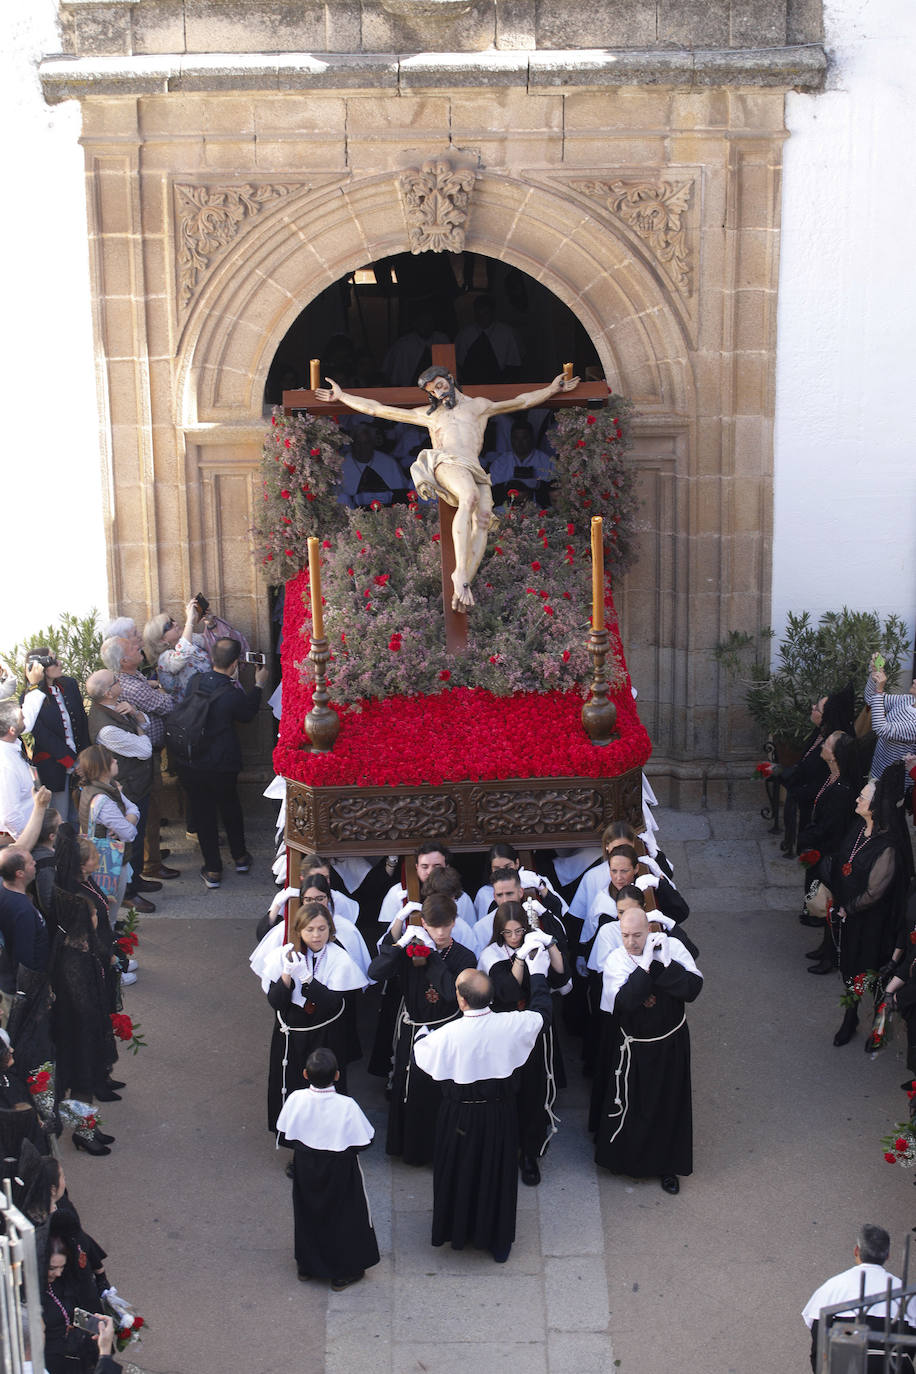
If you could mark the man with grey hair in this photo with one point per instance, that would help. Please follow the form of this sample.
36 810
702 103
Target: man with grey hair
871 1250
123 655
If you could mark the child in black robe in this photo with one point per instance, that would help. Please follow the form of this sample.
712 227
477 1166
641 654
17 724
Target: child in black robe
334 1238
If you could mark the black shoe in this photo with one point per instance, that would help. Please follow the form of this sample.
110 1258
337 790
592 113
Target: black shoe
141 904
530 1173
671 1184
289 1170
146 885
302 1276
243 865
91 1146
848 1028
102 1138
825 966
338 1285
502 1255
115 1084
813 921
817 954
106 1094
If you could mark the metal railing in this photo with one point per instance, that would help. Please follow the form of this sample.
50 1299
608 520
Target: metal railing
18 1281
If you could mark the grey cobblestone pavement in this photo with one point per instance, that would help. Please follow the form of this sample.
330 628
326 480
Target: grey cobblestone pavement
607 1272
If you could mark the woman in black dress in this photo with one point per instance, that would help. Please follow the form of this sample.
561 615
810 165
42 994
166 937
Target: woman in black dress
868 880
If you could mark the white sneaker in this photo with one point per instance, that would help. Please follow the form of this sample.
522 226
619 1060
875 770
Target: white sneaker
132 966
127 979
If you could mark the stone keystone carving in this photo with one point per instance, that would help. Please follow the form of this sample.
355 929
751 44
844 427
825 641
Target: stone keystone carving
208 219
436 206
654 210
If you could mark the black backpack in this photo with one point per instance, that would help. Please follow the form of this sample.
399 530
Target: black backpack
185 728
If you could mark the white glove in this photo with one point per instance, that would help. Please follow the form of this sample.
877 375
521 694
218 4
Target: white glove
281 898
581 966
661 949
645 959
538 960
528 944
288 957
646 880
540 937
408 935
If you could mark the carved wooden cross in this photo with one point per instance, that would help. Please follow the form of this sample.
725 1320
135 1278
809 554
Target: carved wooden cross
409 397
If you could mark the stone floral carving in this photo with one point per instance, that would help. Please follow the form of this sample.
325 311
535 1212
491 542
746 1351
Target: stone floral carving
208 219
655 211
436 206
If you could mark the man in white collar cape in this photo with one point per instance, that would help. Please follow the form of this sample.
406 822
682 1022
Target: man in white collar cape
475 1061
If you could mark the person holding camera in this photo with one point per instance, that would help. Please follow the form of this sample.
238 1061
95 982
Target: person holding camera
645 1125
211 777
52 709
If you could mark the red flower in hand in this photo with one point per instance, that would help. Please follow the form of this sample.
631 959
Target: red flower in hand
900 1143
891 1159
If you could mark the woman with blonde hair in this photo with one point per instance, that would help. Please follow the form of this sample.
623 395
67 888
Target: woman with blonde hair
106 813
176 653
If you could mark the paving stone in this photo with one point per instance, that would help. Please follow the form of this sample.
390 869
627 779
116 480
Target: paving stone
376 1292
576 1293
468 1309
456 1357
737 825
680 825
719 863
781 872
579 1352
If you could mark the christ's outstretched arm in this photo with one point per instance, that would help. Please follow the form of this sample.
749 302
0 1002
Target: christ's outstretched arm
366 406
528 399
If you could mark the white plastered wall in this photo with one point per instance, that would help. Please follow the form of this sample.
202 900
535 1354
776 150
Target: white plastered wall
53 538
845 456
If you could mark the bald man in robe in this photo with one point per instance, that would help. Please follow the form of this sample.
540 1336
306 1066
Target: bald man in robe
476 1061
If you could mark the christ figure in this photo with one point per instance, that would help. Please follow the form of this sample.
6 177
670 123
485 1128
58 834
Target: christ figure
450 468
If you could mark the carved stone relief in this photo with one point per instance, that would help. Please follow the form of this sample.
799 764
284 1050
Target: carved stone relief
435 199
656 212
208 218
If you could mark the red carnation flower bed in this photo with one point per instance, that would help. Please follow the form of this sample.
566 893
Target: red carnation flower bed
459 734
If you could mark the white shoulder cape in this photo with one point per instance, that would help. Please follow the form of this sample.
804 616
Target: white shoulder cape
480 1045
324 1120
619 965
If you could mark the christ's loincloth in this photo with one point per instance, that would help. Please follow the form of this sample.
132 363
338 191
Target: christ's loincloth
429 460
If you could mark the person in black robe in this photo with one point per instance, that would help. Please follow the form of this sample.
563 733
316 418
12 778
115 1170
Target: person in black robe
309 982
426 979
869 879
476 1061
831 814
802 780
69 1284
334 1237
541 1074
645 1126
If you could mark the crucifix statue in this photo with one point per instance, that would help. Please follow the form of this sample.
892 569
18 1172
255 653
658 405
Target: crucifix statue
450 468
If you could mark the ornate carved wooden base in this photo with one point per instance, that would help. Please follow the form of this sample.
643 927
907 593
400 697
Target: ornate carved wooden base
529 812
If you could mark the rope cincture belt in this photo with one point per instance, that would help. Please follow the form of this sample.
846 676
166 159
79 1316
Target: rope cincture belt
404 1020
623 1067
286 1031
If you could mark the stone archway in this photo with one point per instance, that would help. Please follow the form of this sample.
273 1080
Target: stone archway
304 239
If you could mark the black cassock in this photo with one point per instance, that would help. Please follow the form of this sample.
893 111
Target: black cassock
333 1233
427 998
644 1126
475 1175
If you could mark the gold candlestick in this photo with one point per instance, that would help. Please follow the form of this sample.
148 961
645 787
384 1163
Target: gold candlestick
597 573
315 588
322 724
314 374
599 714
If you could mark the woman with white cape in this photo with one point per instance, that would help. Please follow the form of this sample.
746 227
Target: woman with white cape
312 986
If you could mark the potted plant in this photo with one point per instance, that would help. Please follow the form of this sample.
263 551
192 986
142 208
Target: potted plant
812 660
